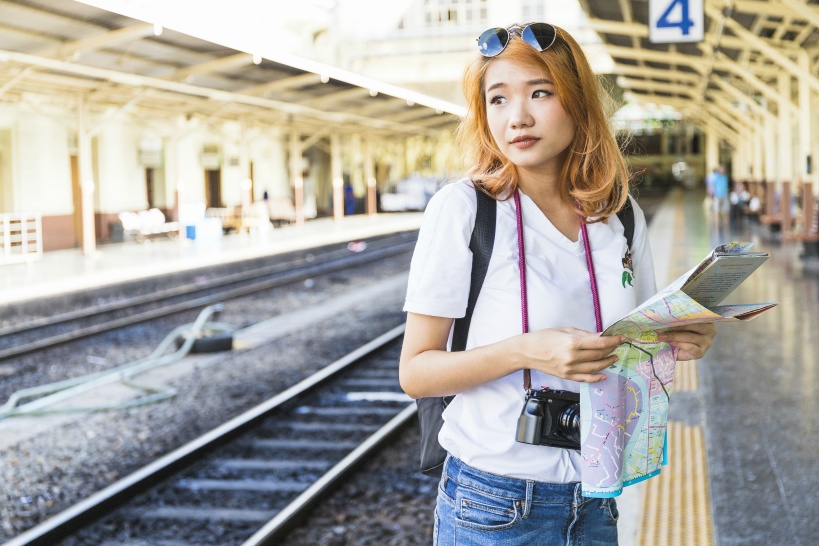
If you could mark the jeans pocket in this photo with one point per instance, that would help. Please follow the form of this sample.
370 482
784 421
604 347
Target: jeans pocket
610 506
484 511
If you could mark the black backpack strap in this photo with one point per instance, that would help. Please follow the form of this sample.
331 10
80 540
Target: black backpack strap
626 216
483 239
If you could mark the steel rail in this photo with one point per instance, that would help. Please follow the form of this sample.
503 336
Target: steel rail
296 512
108 499
182 290
286 277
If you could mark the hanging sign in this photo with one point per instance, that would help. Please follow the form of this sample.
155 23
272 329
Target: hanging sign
671 21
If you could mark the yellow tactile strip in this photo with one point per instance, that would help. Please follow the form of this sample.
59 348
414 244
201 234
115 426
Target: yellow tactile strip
676 509
685 377
676 504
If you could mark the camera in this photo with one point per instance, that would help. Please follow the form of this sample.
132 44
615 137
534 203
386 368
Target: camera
550 418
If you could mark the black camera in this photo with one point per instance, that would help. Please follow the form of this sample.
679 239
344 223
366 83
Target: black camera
550 418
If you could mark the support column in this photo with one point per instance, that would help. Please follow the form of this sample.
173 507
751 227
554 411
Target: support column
711 149
337 173
804 117
369 176
758 153
171 148
245 183
785 155
87 186
297 177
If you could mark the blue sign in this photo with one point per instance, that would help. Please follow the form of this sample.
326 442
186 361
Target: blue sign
671 21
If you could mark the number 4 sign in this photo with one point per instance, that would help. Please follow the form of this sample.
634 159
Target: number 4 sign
675 21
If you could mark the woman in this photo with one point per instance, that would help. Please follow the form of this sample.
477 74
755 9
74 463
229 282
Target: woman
539 143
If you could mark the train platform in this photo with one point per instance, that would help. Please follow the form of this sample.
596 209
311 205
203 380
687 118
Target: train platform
64 271
743 420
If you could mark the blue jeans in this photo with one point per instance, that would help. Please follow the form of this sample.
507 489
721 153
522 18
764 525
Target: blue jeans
478 508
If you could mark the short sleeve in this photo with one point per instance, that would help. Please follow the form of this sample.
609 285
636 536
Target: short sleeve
441 265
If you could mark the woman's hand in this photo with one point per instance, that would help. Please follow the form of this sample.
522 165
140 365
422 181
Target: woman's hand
569 353
692 340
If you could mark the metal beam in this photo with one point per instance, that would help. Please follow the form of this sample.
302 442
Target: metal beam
723 62
641 31
759 44
283 84
338 96
656 73
134 80
15 80
215 65
70 50
664 57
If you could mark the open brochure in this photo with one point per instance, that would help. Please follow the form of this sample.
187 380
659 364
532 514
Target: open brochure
625 416
695 296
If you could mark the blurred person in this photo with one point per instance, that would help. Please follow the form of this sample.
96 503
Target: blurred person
719 185
538 142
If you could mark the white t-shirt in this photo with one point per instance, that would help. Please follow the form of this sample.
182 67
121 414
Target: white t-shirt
480 424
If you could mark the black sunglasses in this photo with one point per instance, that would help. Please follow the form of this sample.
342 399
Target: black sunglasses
540 36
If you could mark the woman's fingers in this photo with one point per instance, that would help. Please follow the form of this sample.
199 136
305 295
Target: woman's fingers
692 340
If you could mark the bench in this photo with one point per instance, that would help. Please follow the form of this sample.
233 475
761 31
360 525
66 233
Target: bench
147 224
281 210
810 218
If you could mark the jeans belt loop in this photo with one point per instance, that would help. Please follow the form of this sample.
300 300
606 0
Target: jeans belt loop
527 504
578 494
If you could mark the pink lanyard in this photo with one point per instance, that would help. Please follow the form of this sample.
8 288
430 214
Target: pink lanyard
524 306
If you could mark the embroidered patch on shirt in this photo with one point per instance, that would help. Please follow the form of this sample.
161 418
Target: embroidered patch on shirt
628 274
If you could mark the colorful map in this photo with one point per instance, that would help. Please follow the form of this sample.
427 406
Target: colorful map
624 417
624 440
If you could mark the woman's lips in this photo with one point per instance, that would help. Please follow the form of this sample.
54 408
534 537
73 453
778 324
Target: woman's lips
523 143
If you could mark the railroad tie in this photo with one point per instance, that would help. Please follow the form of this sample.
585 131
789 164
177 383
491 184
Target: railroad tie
302 444
207 514
280 464
266 486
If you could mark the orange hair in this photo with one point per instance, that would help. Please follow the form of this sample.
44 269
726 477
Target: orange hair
595 171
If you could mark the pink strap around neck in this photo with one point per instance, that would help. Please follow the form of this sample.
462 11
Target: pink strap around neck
524 304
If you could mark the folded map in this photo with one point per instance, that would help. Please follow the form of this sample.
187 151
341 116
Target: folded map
624 417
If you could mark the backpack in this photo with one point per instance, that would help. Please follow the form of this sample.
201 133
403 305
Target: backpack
430 410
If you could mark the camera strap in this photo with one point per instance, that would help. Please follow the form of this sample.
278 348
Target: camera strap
524 306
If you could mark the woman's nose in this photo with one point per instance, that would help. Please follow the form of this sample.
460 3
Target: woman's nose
521 117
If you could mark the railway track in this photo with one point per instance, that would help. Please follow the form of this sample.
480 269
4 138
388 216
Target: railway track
255 477
47 332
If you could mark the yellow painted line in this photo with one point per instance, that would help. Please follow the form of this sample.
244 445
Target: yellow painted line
686 378
676 504
676 509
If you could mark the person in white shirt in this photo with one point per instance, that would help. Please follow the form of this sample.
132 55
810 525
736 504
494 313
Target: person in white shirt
537 140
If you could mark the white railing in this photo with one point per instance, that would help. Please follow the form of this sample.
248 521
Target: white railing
21 237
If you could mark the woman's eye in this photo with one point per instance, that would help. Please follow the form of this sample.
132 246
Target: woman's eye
540 93
497 99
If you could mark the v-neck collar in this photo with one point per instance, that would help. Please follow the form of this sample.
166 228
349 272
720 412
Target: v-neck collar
534 217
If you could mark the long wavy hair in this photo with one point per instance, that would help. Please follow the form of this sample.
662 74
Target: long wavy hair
595 173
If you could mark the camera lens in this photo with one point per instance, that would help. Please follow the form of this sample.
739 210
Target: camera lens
569 423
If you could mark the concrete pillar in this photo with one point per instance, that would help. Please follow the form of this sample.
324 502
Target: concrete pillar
711 148
369 176
757 152
805 116
337 173
770 149
784 153
87 186
245 183
297 177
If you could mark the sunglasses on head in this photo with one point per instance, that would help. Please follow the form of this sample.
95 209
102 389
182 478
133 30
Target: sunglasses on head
540 36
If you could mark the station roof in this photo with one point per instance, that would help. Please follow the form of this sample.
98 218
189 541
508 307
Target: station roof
61 48
747 45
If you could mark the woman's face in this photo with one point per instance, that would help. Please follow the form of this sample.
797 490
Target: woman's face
526 117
